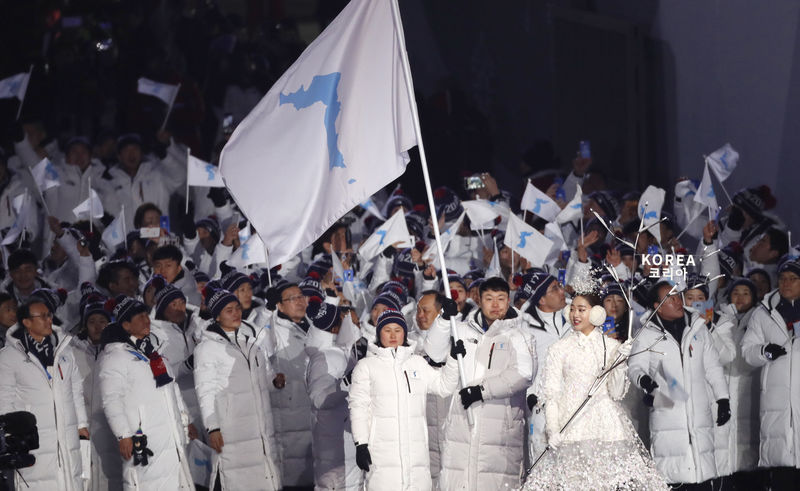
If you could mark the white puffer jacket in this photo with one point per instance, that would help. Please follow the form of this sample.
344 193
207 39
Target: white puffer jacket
488 455
779 405
106 466
737 442
291 406
233 379
55 397
388 411
131 401
682 436
332 441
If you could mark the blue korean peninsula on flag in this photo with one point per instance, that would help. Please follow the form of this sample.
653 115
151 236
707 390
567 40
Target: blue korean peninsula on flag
334 129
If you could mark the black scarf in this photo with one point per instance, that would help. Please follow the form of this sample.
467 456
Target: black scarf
790 311
44 350
674 327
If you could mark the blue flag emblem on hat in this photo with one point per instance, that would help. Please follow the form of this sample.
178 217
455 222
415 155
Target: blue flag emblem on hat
323 89
522 237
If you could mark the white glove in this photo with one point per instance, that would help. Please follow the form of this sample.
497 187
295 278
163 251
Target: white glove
554 440
625 348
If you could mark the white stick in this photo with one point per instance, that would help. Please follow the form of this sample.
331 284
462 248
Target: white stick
789 234
91 209
41 195
22 100
188 155
424 161
124 228
169 108
269 275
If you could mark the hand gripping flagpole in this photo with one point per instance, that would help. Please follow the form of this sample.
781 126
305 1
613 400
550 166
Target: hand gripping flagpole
604 374
398 24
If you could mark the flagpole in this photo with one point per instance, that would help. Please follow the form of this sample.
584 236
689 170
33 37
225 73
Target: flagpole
398 24
711 171
188 155
25 201
169 108
22 101
124 228
266 253
91 210
41 195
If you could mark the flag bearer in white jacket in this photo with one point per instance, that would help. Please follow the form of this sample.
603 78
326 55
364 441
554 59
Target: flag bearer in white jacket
680 377
499 366
769 343
233 378
330 361
142 403
387 408
40 375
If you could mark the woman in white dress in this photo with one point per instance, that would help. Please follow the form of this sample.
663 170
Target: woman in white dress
599 449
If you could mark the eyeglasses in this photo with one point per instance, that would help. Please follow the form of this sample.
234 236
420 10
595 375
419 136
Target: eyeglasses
294 299
48 315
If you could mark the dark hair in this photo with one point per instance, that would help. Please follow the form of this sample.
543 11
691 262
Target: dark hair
24 310
138 217
438 298
495 284
168 252
760 272
109 272
653 296
778 241
21 257
326 237
5 297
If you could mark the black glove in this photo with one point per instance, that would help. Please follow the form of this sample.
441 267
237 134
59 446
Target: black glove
457 348
723 411
648 400
363 459
449 308
735 218
774 351
389 252
218 196
470 395
648 384
187 225
532 400
140 450
273 298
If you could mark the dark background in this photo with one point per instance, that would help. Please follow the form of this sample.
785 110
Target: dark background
508 86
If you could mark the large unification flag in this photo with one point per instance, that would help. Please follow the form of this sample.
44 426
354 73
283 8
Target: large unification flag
527 241
538 202
201 173
723 161
165 92
333 130
14 86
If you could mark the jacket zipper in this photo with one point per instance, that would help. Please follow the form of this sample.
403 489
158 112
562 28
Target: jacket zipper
491 352
407 382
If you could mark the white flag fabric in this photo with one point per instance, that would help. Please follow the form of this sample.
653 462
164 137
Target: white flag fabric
535 201
650 204
251 252
201 173
527 241
723 161
14 86
553 232
114 234
23 205
338 269
494 265
445 237
165 92
481 213
705 193
45 175
574 209
333 130
392 230
371 207
92 203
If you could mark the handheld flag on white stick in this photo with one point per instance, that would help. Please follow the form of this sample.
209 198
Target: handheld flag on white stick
527 241
537 202
723 161
92 205
16 86
481 213
705 194
23 206
573 210
650 204
392 230
45 175
114 234
370 206
251 252
165 92
338 125
201 173
445 239
553 232
494 265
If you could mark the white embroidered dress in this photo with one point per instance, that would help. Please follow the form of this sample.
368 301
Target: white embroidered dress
599 449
